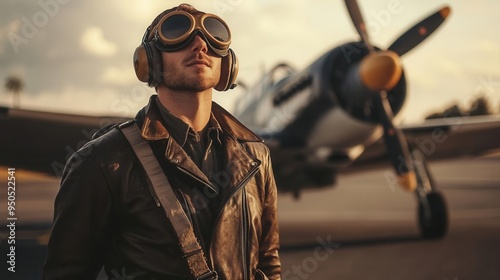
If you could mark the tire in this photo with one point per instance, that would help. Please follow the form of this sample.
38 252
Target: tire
436 225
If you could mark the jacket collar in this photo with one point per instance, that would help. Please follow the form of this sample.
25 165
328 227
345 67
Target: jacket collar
180 131
153 128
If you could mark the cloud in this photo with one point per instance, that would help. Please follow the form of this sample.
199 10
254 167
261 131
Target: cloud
119 75
94 42
5 31
142 11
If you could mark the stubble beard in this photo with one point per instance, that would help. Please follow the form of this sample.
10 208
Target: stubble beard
175 79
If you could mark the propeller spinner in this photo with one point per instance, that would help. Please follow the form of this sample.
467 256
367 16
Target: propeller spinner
380 71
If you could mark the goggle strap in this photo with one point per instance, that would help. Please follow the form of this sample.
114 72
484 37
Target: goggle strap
145 37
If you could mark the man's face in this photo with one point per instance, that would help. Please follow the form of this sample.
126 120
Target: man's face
193 68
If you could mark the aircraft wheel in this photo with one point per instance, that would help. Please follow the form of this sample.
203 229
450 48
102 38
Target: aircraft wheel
433 217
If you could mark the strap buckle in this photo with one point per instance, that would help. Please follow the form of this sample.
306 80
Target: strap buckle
211 275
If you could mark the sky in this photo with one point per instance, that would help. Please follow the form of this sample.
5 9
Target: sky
76 56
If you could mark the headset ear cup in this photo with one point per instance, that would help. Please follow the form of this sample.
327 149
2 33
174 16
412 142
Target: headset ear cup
148 64
228 72
141 64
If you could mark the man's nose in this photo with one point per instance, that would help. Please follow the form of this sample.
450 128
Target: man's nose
198 44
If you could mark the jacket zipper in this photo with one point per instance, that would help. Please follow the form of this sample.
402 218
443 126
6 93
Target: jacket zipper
243 182
244 235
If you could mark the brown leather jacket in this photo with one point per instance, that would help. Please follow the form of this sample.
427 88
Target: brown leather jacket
106 213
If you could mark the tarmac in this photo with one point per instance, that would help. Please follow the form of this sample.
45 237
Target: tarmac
371 230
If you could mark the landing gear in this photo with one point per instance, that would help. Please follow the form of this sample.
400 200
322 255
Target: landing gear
432 216
432 210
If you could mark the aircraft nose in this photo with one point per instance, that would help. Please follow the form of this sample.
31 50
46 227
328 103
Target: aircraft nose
381 70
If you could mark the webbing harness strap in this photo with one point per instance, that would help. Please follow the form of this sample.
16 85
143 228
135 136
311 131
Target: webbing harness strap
191 249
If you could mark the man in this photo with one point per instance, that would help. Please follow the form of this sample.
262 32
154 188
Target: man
109 213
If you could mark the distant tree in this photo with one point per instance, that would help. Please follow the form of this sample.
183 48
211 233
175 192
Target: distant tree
14 85
434 116
454 111
480 106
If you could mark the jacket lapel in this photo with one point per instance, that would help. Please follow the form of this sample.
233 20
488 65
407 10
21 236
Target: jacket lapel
239 165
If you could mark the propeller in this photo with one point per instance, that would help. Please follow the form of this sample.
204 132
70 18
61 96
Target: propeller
359 23
419 32
380 71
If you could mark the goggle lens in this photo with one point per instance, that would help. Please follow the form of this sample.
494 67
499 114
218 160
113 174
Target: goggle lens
216 28
178 29
175 26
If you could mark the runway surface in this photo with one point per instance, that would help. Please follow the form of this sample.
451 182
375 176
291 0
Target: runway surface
364 228
372 230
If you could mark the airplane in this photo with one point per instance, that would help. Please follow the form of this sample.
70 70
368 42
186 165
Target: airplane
336 115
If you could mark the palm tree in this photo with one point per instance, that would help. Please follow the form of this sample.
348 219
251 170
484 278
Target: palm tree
15 85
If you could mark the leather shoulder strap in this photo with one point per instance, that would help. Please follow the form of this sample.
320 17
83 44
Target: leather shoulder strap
190 246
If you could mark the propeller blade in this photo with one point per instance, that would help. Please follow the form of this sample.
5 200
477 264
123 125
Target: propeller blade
419 32
395 142
357 20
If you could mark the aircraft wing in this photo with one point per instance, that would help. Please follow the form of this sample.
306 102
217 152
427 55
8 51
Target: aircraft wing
42 141
443 138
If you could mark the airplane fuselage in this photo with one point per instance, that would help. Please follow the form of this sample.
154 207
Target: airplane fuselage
323 111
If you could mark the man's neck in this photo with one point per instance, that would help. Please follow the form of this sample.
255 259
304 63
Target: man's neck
192 107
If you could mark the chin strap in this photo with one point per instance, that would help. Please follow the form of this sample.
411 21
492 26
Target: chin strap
191 249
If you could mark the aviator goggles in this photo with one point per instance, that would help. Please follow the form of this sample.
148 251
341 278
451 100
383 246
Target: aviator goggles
177 29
